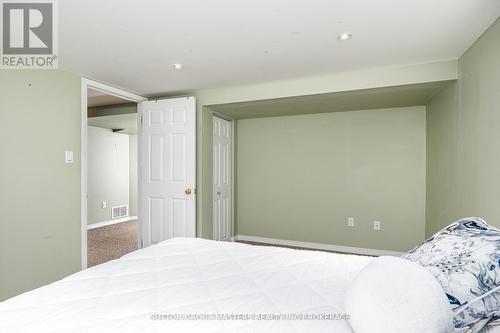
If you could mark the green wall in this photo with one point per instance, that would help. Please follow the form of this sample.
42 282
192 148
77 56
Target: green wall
41 209
300 177
40 227
464 139
337 82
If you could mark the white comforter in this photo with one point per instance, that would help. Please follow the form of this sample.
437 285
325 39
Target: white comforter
191 276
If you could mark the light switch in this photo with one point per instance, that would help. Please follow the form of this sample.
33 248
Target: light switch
104 204
68 157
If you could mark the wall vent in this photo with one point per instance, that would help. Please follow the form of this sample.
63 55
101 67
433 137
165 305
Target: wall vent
119 212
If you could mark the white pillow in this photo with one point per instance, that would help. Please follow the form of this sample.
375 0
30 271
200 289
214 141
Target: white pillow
393 295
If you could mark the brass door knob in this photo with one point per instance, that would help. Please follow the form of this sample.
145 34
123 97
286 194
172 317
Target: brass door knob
188 191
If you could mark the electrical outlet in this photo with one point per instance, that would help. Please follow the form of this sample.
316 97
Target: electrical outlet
350 221
376 225
104 204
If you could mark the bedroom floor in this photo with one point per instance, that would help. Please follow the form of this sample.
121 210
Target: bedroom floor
300 248
111 242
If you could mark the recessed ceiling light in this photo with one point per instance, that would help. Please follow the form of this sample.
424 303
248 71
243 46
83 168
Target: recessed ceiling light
344 36
178 66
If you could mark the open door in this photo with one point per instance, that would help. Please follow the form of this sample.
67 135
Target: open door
167 158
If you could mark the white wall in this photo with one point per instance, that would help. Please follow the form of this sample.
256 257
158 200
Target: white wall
108 172
133 174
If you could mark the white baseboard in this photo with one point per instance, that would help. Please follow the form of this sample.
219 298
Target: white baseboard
111 222
319 246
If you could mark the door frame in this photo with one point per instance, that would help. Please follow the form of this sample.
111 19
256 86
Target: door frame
110 90
233 184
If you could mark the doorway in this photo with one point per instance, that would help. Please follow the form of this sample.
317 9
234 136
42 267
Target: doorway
112 223
166 167
110 226
223 179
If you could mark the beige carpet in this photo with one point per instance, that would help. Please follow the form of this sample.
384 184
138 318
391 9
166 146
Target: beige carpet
111 242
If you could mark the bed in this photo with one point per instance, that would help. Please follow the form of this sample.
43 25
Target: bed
170 286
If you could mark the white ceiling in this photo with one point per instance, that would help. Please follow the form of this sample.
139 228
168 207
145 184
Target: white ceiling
132 44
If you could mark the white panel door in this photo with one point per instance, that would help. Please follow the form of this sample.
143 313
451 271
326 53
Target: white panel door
167 169
222 180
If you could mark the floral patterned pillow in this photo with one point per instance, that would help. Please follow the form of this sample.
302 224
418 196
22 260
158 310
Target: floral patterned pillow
464 258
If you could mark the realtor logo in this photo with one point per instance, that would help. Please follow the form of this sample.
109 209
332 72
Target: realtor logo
28 34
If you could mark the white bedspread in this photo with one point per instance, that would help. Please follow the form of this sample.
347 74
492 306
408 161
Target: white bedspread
191 276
